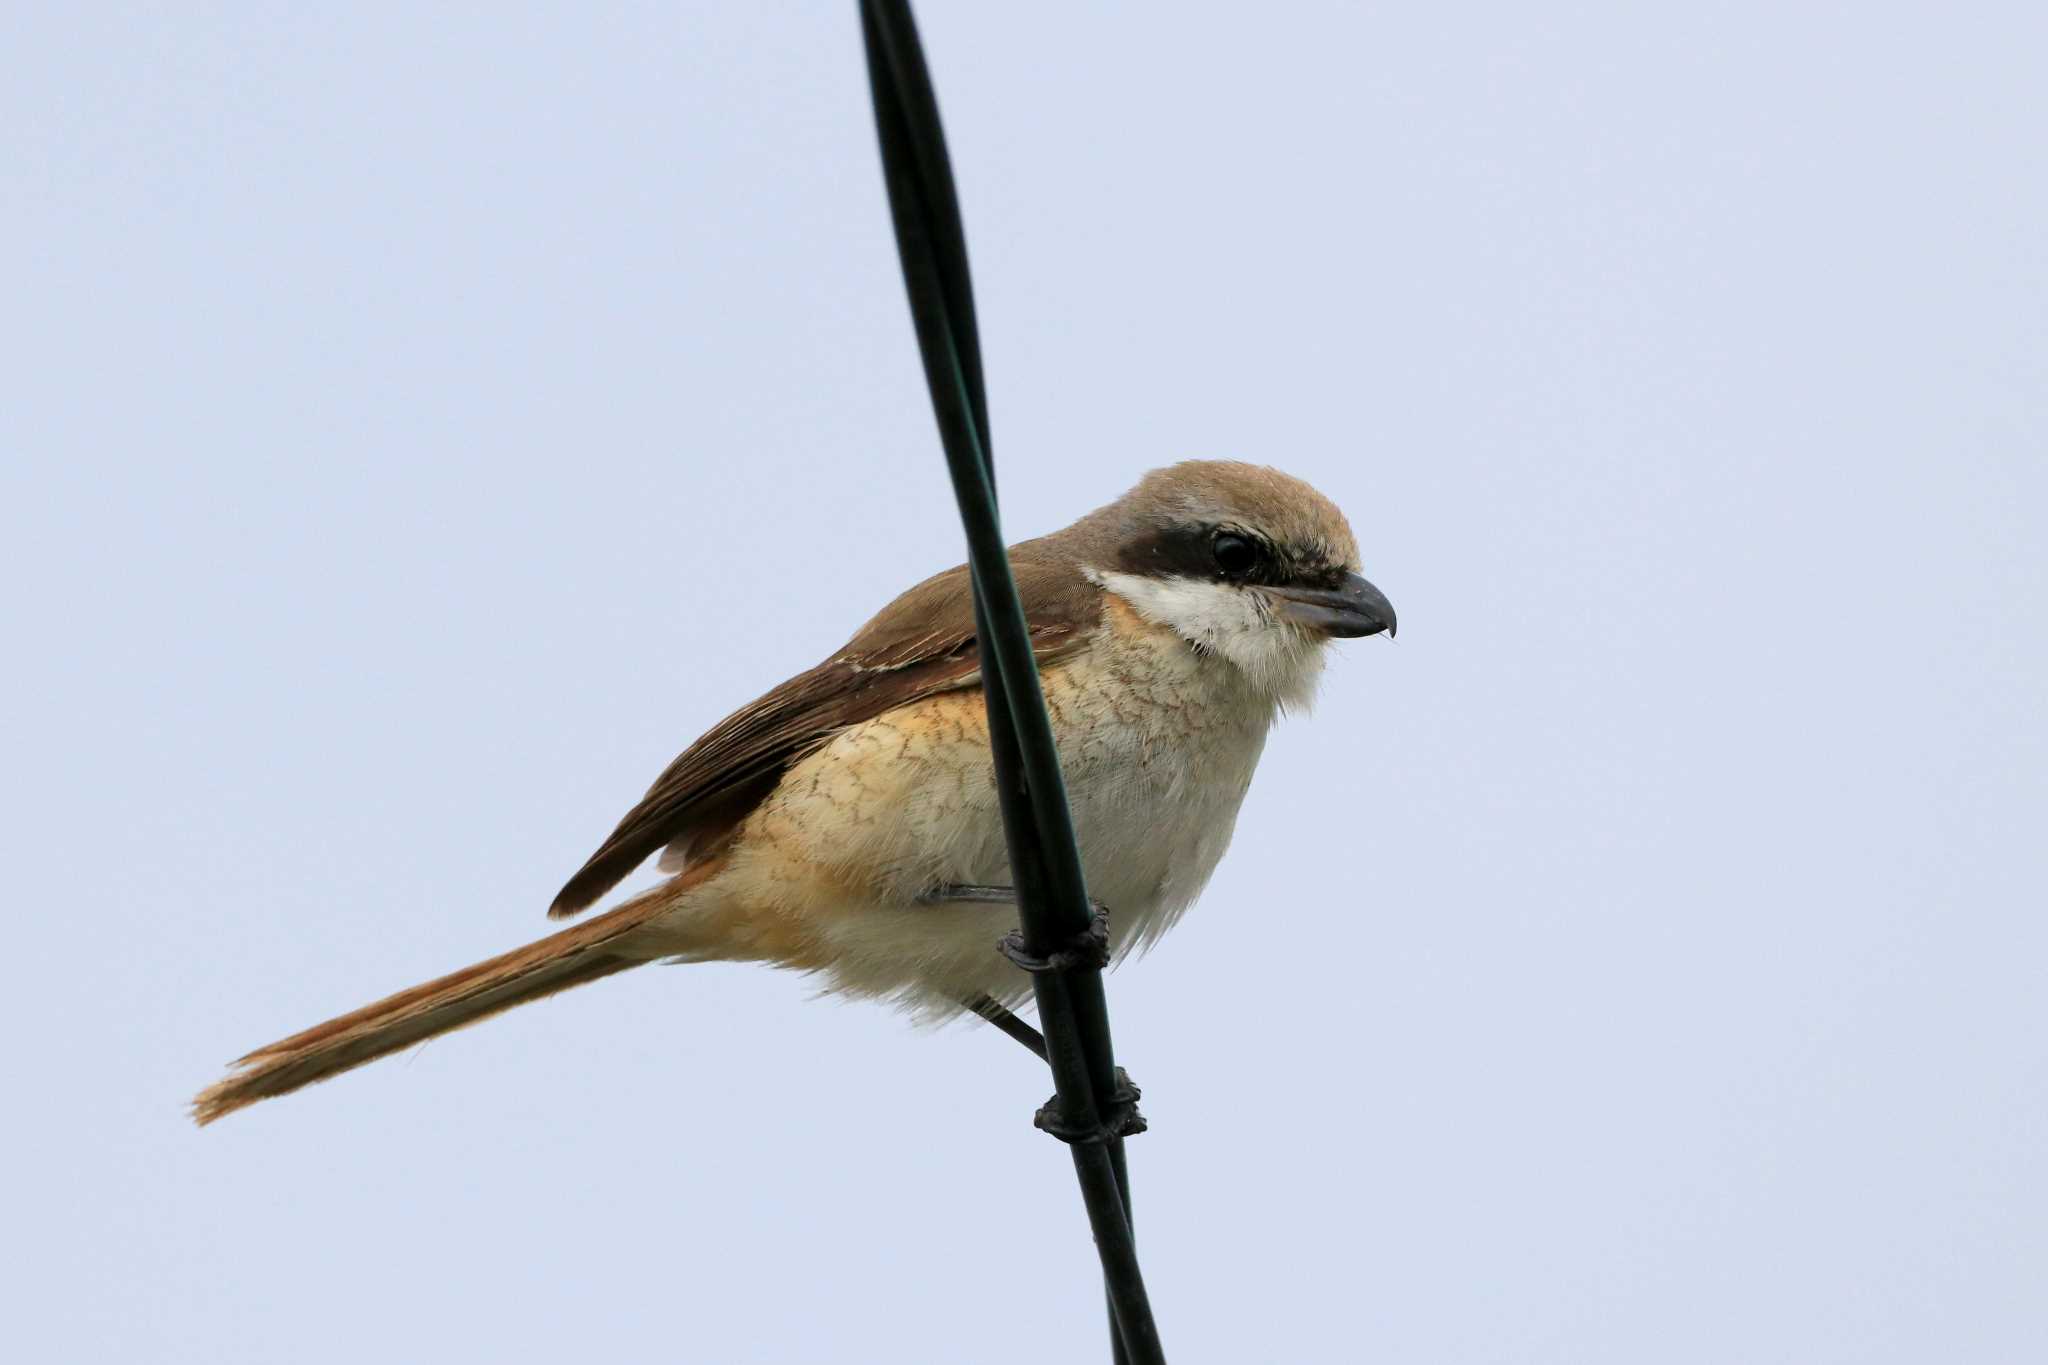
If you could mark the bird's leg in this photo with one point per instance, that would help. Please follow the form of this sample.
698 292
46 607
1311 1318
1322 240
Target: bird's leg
1000 1015
948 893
1091 942
1090 948
987 1007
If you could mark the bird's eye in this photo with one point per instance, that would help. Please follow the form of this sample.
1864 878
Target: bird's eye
1235 554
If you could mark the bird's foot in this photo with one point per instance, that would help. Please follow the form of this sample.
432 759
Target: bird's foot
1089 948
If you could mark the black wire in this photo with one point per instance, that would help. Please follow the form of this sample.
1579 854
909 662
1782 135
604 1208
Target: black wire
1044 858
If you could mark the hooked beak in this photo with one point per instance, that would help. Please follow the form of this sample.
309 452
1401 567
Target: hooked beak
1357 608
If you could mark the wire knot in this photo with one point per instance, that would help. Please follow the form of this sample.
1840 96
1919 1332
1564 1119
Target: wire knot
1120 1120
1089 948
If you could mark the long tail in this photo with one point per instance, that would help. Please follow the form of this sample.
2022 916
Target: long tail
578 954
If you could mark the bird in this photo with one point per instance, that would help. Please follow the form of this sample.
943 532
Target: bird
846 823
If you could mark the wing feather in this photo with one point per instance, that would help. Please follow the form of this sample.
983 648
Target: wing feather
920 644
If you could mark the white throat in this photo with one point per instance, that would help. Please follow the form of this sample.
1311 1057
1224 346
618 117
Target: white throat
1278 660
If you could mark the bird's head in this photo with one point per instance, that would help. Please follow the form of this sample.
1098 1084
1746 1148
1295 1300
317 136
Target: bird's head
1243 562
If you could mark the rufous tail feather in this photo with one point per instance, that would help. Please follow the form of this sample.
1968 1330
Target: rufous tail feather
572 957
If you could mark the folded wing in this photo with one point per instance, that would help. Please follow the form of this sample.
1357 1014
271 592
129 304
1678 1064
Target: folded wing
920 644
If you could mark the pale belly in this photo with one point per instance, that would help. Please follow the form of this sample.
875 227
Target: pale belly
1157 746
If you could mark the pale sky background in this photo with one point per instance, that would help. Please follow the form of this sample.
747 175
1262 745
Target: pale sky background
419 426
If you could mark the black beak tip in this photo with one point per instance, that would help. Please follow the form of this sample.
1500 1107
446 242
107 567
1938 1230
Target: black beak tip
1372 604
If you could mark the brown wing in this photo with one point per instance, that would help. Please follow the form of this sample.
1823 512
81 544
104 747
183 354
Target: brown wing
922 643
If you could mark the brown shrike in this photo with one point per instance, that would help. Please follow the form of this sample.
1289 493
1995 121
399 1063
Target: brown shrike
846 823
